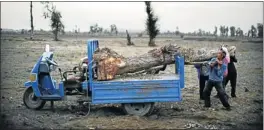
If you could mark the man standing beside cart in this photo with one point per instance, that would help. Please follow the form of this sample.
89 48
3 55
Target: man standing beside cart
203 76
216 74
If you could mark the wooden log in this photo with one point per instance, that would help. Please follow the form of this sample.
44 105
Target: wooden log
110 63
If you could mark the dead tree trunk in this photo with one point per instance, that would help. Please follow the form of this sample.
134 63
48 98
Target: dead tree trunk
110 63
129 43
151 42
31 21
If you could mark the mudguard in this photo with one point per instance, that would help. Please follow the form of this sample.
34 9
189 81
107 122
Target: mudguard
28 84
33 85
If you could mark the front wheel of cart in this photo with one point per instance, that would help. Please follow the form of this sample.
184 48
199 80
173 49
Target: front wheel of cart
31 101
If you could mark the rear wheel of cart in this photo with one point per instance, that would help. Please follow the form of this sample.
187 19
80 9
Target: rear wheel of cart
138 109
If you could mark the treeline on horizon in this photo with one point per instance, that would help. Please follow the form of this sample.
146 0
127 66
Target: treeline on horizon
152 29
223 31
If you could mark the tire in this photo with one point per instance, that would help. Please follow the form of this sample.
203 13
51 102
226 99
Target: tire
138 109
31 101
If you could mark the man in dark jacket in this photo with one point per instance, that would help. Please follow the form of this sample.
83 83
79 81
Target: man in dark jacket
203 75
232 72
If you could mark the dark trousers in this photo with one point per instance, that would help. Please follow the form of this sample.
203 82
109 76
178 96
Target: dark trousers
224 85
219 88
202 82
232 77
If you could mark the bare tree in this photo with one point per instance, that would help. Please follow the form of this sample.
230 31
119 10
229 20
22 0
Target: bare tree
238 32
222 30
199 32
253 31
106 31
76 32
203 33
232 31
95 29
129 43
100 30
241 33
177 32
114 29
226 31
151 24
55 18
31 21
140 34
249 33
215 31
92 30
260 30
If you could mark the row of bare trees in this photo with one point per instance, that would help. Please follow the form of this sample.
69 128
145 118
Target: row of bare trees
151 26
53 15
238 32
95 29
57 25
225 31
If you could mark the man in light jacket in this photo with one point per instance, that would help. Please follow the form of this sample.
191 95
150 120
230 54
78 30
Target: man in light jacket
216 74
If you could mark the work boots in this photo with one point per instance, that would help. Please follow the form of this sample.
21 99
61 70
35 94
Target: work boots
233 92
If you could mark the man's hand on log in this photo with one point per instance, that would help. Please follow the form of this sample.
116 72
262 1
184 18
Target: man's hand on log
213 64
219 62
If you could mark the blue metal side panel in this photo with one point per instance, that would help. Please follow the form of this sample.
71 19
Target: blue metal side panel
177 65
91 47
84 85
34 84
136 91
180 71
61 89
48 83
180 62
54 83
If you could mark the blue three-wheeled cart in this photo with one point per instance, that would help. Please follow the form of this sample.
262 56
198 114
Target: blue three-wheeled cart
137 95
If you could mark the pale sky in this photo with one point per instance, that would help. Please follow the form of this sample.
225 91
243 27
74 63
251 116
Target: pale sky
188 16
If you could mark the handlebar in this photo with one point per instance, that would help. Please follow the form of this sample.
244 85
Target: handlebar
52 62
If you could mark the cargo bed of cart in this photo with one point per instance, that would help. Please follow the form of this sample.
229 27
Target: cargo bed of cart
140 88
130 91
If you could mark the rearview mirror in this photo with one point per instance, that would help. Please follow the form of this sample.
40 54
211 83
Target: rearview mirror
47 48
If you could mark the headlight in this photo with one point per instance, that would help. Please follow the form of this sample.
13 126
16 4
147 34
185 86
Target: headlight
32 77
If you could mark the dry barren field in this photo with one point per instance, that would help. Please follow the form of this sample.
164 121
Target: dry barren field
18 56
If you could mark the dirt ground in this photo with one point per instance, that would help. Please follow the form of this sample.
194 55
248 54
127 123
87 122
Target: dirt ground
18 56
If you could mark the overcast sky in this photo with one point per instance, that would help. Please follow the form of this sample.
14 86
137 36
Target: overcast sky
188 16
